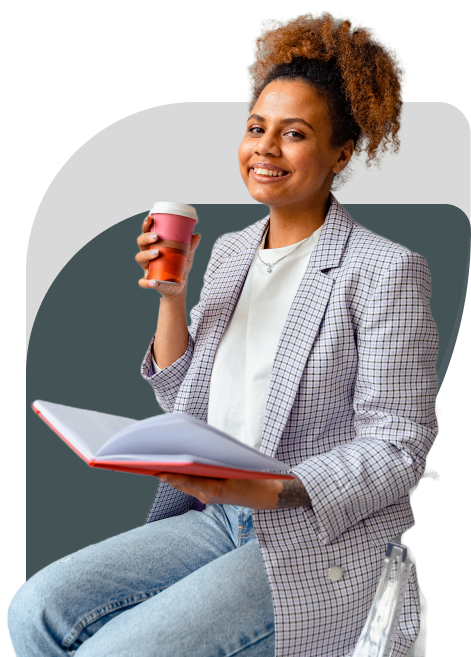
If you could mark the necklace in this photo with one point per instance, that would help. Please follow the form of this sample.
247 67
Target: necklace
270 265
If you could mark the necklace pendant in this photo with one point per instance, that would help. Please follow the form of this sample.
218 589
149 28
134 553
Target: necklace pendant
269 268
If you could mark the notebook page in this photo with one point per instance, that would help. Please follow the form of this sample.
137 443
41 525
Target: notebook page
178 433
86 430
160 459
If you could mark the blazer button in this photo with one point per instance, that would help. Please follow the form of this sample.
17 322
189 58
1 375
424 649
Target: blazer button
335 573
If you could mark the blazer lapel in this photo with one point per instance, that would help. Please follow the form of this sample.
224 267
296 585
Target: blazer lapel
302 324
222 296
299 331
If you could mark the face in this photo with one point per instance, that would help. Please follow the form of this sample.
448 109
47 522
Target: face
289 133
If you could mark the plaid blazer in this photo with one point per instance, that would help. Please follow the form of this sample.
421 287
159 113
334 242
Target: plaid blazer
351 407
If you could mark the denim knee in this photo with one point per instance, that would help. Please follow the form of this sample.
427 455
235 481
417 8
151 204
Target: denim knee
23 616
34 618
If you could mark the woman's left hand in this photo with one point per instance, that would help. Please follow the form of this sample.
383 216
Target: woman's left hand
261 494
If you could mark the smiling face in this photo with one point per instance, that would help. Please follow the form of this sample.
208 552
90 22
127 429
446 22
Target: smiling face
289 132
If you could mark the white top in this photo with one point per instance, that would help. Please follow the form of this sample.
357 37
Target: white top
244 358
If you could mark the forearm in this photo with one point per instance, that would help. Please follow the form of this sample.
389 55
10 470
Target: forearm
292 494
276 494
253 493
171 337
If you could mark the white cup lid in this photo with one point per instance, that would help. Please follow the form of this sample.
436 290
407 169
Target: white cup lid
171 207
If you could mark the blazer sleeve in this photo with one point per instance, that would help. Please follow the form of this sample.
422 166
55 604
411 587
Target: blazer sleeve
166 382
393 403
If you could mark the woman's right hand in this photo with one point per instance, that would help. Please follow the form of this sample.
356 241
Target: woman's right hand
148 245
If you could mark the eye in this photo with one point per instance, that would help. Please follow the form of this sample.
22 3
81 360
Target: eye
255 127
294 132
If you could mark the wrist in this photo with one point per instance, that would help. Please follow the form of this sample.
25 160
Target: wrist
259 494
174 300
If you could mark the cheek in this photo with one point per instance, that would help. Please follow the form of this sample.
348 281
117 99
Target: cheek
312 167
309 161
244 154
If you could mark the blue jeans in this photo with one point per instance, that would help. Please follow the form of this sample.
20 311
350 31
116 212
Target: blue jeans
190 586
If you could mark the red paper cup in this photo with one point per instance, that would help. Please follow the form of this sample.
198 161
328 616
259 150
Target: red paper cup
173 223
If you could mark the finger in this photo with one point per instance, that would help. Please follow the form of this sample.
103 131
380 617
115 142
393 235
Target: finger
188 481
175 478
205 499
146 239
176 482
148 284
143 257
207 485
194 492
146 224
195 240
160 286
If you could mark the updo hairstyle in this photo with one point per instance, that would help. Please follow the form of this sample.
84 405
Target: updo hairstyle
359 78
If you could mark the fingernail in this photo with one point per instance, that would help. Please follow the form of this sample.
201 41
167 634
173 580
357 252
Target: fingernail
155 252
153 283
154 236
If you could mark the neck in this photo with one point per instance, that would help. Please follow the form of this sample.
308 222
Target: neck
291 225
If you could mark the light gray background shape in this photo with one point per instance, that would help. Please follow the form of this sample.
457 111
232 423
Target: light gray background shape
189 151
89 339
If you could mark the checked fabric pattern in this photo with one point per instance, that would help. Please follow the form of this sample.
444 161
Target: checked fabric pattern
351 408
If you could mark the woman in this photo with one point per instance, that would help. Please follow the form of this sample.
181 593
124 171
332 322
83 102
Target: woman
312 341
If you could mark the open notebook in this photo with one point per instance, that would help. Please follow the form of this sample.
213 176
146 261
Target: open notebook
173 442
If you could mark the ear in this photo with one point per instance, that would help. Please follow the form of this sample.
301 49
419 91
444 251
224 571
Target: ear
344 157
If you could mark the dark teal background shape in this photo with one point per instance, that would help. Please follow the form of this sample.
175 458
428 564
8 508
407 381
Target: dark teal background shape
95 324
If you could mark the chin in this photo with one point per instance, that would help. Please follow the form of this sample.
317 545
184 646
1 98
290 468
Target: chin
264 196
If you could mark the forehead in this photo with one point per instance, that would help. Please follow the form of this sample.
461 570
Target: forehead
283 97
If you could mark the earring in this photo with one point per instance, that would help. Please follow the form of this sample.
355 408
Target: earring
337 168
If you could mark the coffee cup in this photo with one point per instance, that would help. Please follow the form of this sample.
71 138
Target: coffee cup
173 222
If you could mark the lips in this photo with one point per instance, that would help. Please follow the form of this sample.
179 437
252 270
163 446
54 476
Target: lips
268 179
266 165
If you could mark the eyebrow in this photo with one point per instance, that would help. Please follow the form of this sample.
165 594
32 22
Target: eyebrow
257 117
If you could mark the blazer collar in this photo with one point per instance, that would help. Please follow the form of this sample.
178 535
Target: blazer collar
332 241
304 319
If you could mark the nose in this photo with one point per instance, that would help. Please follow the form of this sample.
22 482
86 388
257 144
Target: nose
267 145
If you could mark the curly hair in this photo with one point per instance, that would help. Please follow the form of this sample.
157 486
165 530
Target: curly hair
360 79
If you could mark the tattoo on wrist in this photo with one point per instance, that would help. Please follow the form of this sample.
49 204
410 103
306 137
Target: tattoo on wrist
293 494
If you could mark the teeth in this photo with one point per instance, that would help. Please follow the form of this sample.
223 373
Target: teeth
268 172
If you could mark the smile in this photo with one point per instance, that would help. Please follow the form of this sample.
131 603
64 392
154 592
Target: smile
267 172
268 175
